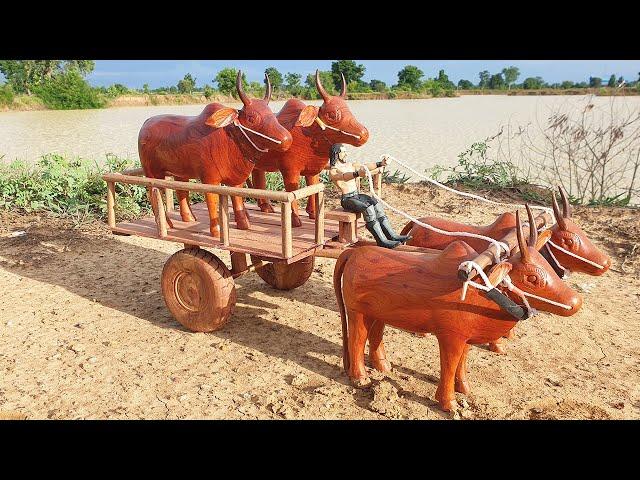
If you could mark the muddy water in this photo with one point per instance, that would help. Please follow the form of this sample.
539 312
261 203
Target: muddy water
420 132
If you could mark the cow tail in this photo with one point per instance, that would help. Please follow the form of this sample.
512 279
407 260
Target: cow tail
337 286
407 228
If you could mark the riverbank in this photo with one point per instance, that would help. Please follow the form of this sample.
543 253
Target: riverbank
86 335
30 103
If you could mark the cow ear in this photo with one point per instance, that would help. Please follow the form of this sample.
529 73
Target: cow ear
543 237
222 118
307 116
498 272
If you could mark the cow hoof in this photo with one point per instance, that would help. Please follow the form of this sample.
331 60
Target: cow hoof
497 348
215 231
382 365
267 208
188 218
462 387
364 382
295 220
448 405
312 215
242 222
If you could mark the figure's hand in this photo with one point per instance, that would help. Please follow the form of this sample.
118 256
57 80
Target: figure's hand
363 171
384 161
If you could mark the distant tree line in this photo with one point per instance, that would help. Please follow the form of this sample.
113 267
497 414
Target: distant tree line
62 84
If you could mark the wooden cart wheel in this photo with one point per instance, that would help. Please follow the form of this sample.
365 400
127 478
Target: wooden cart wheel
198 289
286 277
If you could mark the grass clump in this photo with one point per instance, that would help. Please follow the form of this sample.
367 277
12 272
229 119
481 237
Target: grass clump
68 188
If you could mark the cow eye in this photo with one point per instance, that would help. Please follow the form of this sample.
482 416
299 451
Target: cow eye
333 116
252 118
532 278
569 241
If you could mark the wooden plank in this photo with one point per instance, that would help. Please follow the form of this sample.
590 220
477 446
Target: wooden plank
160 214
199 187
319 217
223 217
287 247
111 204
264 240
308 190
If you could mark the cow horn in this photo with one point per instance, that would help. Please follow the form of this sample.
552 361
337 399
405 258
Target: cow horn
267 93
323 93
566 206
243 96
343 93
533 229
556 212
524 253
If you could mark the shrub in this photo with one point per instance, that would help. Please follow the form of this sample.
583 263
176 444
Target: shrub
69 91
6 94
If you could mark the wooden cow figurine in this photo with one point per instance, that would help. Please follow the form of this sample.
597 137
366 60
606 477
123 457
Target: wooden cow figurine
565 234
314 130
221 145
421 293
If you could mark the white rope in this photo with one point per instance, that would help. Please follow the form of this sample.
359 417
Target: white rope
324 125
574 255
243 128
500 246
464 194
510 286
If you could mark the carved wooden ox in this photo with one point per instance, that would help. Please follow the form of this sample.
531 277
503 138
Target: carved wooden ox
422 294
218 146
313 134
565 234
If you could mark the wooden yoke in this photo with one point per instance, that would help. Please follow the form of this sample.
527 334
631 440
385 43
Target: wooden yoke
490 256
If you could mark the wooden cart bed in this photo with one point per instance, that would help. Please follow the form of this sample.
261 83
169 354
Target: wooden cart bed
262 239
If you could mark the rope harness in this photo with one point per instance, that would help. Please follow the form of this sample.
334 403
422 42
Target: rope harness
243 128
500 246
324 125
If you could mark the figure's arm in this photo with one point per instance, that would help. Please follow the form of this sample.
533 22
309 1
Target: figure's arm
336 175
374 165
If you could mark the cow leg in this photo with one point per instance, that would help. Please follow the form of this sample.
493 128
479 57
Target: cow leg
461 373
377 355
259 178
451 349
312 208
291 183
240 213
212 205
357 338
183 199
497 347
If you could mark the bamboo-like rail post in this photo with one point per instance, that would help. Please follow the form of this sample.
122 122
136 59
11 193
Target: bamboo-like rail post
320 217
223 216
168 193
287 239
111 204
160 214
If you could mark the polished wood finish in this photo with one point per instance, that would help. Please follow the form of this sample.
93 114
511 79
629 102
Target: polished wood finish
421 293
212 148
282 276
309 151
264 239
223 206
285 225
198 289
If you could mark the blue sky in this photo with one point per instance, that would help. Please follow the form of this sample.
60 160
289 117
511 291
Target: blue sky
158 73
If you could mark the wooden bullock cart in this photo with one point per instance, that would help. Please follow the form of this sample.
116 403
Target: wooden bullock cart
198 287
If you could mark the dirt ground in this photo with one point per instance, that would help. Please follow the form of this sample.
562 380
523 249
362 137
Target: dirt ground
85 333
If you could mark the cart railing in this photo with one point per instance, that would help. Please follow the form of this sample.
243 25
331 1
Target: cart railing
136 177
